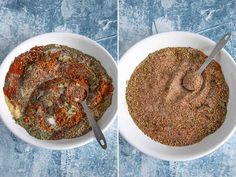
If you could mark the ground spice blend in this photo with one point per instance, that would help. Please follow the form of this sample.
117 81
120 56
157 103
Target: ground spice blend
166 111
45 86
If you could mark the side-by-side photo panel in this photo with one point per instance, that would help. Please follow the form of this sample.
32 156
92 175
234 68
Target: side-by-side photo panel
58 91
176 85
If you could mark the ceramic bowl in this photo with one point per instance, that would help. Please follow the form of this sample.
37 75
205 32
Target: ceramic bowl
135 136
76 41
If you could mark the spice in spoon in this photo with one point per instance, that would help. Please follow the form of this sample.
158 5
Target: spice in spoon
192 81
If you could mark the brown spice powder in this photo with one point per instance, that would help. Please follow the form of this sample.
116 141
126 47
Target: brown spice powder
166 111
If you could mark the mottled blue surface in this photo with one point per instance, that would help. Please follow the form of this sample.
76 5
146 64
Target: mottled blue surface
211 18
21 19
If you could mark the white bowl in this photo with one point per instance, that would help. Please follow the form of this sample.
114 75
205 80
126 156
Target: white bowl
135 136
81 43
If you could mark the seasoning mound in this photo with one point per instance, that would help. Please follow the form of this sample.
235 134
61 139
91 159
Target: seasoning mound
45 86
164 109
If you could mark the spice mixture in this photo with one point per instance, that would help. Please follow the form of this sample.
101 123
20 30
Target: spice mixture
45 86
171 105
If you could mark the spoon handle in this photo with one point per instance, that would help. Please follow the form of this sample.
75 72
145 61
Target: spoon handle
215 51
96 129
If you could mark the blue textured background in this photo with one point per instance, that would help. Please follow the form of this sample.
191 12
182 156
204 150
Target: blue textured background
211 18
22 19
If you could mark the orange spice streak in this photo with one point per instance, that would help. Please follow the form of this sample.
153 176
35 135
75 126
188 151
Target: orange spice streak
83 81
42 124
11 89
64 121
17 69
54 87
104 89
75 119
61 116
97 100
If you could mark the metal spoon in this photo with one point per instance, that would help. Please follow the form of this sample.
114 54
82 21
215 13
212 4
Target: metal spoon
215 51
96 129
